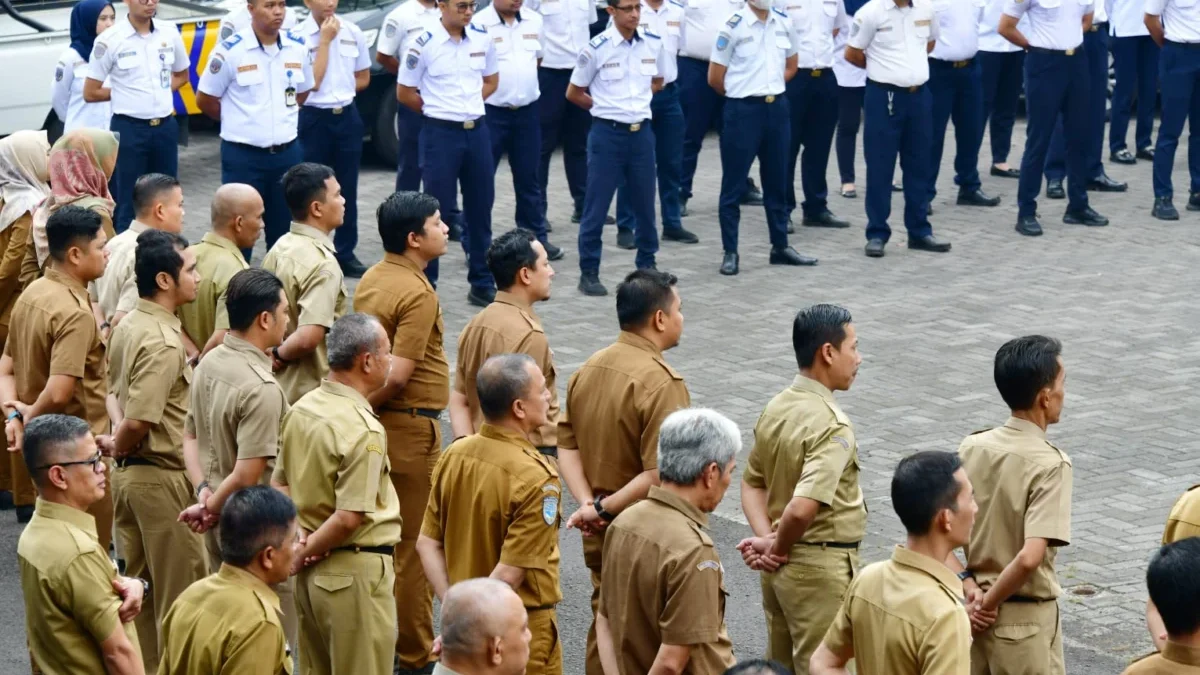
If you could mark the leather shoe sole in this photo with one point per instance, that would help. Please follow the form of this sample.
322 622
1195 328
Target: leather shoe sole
927 245
874 248
1006 173
729 266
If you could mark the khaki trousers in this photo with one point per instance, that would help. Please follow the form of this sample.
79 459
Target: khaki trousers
545 648
414 444
1025 640
286 590
801 600
22 484
156 546
593 547
347 615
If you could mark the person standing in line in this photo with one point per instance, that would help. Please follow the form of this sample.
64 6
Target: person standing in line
1173 581
89 18
1177 31
851 83
402 25
1002 69
142 63
240 18
1135 62
485 630
1182 522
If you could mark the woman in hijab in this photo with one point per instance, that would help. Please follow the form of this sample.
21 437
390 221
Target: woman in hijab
23 178
89 18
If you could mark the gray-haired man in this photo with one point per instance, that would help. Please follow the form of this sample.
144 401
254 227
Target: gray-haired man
662 605
485 630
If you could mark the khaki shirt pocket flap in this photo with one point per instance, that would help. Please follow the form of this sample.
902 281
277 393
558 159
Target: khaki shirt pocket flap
334 582
1015 632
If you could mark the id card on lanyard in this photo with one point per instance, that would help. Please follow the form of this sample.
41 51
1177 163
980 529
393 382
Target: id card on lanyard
289 94
164 74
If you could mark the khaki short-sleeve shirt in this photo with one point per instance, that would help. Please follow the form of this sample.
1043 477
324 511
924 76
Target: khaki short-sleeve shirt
1023 488
116 291
804 446
334 457
66 580
237 408
616 402
217 260
152 379
397 292
664 584
1175 659
12 252
496 499
57 335
904 616
507 326
305 262
1184 519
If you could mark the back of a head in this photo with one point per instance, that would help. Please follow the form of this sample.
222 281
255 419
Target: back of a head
157 252
351 336
510 253
250 293
501 381
402 214
641 294
816 326
473 612
71 226
230 201
758 667
922 486
1173 579
252 519
691 439
1023 367
50 439
150 189
304 184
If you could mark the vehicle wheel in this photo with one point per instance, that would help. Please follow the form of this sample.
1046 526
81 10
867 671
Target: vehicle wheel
384 140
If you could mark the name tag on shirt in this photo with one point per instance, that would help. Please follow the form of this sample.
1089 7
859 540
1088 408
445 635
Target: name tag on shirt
922 22
649 67
295 72
531 42
611 71
781 40
673 28
477 60
348 47
249 75
127 60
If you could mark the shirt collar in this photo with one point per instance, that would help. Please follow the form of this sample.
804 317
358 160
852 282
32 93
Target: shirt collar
54 511
402 261
499 433
668 498
934 568
222 242
312 233
258 41
159 313
441 669
339 389
240 577
1025 426
138 227
802 383
52 273
1173 651
490 17
133 29
617 38
635 340
507 298
242 346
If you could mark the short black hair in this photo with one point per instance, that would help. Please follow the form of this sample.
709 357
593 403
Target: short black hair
402 214
510 253
252 519
641 294
157 251
304 184
758 667
816 326
1173 579
1024 366
50 439
501 380
922 486
148 189
250 293
71 226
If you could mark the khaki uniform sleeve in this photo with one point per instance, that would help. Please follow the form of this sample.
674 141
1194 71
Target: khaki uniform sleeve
1177 530
89 596
189 422
824 464
533 532
128 297
840 636
566 432
691 612
152 374
261 651
753 473
356 486
414 325
946 649
464 364
221 312
431 524
318 297
1048 515
279 474
258 428
665 400
72 342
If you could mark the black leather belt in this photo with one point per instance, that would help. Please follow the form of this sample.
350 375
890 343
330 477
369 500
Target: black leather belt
813 72
539 608
270 149
1026 599
832 544
548 450
133 461
1097 27
1185 45
760 99
1058 52
623 126
467 125
897 88
952 64
381 550
152 122
423 412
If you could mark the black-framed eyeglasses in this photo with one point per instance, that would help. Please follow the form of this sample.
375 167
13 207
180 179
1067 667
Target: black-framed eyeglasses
94 461
628 8
465 6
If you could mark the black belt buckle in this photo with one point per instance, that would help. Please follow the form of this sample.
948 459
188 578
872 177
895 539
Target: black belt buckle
132 461
381 550
424 412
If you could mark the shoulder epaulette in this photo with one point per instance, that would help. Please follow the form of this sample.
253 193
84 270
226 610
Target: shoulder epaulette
425 37
734 21
478 29
231 42
780 12
647 33
598 41
677 3
294 37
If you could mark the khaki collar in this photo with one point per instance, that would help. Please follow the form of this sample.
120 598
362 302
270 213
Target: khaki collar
312 233
1025 426
52 273
222 242
137 227
934 568
240 577
1173 651
159 313
674 501
54 511
499 433
802 383
242 346
635 340
506 298
339 389
406 263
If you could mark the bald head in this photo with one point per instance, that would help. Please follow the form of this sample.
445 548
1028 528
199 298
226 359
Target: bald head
232 200
484 621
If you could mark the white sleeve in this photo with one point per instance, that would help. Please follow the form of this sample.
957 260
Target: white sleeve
182 60
585 68
100 63
723 47
412 66
862 29
215 78
1155 7
1016 8
390 36
60 87
363 62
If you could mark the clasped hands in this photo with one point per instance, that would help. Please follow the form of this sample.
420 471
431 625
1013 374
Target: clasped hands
757 553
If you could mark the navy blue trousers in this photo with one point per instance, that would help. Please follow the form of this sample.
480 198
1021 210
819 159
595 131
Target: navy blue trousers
1135 60
850 112
408 133
668 153
753 129
701 112
454 157
336 142
1003 75
518 133
958 94
813 121
1055 84
566 123
897 122
1179 72
264 171
144 149
1095 49
618 156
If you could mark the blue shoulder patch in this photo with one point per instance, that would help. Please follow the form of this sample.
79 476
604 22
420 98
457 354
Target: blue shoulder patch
478 29
229 44
598 41
425 37
294 37
734 21
780 12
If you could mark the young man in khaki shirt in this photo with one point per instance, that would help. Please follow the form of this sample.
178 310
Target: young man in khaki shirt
1173 579
149 382
801 493
905 616
397 292
662 605
305 261
1182 522
522 272
1010 582
494 509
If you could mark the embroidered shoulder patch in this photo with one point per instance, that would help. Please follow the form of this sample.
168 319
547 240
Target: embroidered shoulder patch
425 37
842 442
550 509
229 44
389 29
709 565
734 21
226 32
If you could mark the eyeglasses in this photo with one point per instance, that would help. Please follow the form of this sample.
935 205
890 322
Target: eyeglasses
628 9
463 7
95 461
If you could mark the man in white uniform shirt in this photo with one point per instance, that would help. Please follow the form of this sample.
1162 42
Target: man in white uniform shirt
1175 25
238 20
1002 67
401 26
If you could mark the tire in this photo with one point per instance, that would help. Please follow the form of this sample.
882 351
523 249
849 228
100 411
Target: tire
384 141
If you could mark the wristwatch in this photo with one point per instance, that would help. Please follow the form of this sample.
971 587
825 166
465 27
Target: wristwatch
600 510
15 415
200 488
145 586
965 574
275 353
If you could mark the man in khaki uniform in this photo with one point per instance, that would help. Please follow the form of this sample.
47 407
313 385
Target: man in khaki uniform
494 509
1010 582
522 272
663 602
149 378
800 490
1182 522
1173 579
77 608
397 292
616 401
334 463
485 630
58 354
237 212
304 261
229 622
905 616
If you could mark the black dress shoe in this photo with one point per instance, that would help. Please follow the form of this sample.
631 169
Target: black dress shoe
6 500
976 197
683 212
352 267
1087 216
549 227
1164 209
24 514
928 243
552 252
481 296
576 215
1146 153
1123 156
1103 183
788 256
1054 189
589 284
1005 173
729 264
874 248
825 219
625 240
1029 226
455 232
1193 202
680 235
752 196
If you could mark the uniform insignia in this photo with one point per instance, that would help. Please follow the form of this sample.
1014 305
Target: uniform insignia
99 50
425 37
389 29
229 44
478 29
598 41
371 447
709 565
410 61
215 63
653 35
734 21
780 12
842 442
722 42
549 509
854 29
58 74
295 38
676 3
247 68
226 32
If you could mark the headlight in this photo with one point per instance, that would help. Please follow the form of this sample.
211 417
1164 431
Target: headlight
369 37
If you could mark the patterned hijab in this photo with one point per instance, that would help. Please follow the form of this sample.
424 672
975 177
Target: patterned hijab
23 174
81 162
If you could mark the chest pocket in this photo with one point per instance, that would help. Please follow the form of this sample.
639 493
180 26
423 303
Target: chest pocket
129 61
441 65
649 66
922 29
782 40
551 7
613 70
477 60
167 58
502 44
251 76
348 49
531 43
1186 4
890 33
1050 8
829 9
